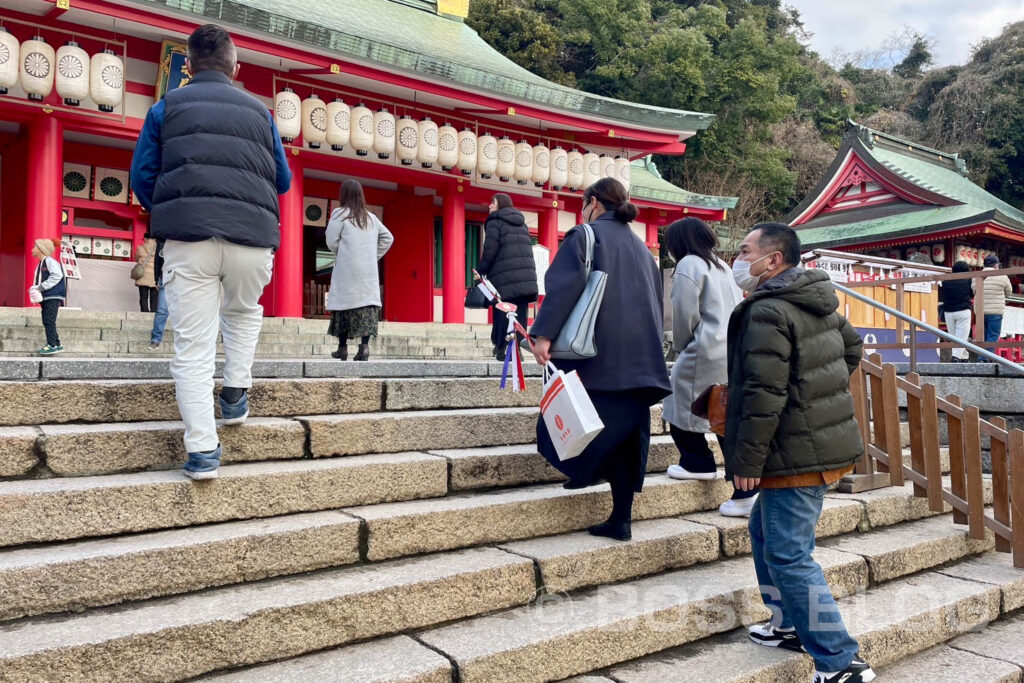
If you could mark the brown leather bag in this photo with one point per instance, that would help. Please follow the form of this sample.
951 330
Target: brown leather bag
711 405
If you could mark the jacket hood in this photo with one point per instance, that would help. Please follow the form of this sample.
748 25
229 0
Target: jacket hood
510 215
811 290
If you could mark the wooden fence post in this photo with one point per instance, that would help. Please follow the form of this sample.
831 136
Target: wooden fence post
1017 496
858 389
932 466
1001 484
893 437
914 417
957 471
975 489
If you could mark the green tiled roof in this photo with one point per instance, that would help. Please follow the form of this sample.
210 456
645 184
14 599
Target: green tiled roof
918 222
398 35
646 183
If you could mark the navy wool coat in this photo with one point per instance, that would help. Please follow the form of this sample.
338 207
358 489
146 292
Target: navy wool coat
629 325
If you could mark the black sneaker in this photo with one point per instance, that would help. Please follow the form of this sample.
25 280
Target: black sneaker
859 671
769 636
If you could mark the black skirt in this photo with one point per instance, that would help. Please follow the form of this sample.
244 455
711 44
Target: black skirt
626 437
354 322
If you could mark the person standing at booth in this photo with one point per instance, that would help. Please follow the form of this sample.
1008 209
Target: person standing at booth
145 256
209 166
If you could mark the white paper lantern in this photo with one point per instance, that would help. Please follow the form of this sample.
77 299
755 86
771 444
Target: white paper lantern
339 117
541 165
427 150
506 159
607 166
468 152
559 168
10 52
447 146
938 253
384 133
591 169
487 155
623 172
361 135
106 80
37 59
288 114
314 121
575 175
407 140
960 253
524 162
72 73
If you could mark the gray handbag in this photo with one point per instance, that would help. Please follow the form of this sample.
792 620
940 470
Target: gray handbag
575 341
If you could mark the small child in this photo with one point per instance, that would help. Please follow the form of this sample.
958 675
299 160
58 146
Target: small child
52 287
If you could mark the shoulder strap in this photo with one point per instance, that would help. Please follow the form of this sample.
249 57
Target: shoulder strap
588 239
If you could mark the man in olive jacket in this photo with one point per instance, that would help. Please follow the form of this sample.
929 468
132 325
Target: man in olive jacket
790 429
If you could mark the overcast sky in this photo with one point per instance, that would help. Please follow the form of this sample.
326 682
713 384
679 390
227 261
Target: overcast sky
955 25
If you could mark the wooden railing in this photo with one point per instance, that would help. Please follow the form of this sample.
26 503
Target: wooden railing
314 300
876 391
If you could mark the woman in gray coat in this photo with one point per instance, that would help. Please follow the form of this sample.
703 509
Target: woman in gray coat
703 297
358 240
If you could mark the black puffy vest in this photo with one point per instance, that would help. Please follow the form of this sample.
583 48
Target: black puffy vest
218 172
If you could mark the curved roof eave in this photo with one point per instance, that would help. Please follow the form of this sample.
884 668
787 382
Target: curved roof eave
427 45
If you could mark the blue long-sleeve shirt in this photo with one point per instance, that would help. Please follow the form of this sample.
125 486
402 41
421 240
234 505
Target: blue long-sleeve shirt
147 160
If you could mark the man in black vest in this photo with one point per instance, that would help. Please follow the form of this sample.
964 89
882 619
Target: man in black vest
209 166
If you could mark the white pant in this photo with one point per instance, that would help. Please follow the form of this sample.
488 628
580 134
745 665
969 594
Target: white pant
958 324
195 273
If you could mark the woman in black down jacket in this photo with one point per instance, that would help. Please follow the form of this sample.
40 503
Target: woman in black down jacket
507 262
629 373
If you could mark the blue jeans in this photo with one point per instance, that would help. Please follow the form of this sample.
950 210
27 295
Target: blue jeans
993 326
792 584
160 319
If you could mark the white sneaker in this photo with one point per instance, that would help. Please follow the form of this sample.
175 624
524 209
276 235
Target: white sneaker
737 508
200 476
679 472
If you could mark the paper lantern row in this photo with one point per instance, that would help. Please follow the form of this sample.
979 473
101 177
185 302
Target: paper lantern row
77 75
426 143
972 255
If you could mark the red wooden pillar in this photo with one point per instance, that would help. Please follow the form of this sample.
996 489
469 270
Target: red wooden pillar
652 236
288 260
453 246
548 231
43 189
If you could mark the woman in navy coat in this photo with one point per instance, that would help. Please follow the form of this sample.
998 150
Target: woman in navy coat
629 373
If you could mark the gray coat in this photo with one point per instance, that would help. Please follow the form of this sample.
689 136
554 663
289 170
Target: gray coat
354 281
703 298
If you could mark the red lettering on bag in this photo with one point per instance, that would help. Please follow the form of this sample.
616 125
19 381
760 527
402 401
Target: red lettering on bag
559 422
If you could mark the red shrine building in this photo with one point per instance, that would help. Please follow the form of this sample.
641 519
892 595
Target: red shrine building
889 197
399 94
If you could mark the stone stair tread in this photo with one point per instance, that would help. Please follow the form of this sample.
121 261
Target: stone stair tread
63 508
1000 640
467 519
579 633
945 664
383 661
243 625
995 568
74 575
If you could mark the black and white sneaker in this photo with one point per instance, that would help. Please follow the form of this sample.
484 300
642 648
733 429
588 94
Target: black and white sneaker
859 671
769 636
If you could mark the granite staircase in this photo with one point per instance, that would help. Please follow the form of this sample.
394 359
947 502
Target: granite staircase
98 334
391 521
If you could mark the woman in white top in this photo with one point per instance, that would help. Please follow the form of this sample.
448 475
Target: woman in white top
703 297
358 240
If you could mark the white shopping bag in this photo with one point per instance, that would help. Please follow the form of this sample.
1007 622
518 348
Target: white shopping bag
568 412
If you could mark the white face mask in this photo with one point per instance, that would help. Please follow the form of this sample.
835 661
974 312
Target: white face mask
741 273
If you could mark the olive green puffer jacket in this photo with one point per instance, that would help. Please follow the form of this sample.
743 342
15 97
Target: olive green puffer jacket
790 360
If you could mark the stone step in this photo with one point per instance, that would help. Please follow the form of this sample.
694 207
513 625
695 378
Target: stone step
945 664
263 621
895 624
41 510
464 520
83 574
579 634
61 401
998 641
381 661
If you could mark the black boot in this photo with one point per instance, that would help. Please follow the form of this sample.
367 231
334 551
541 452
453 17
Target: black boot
342 352
363 353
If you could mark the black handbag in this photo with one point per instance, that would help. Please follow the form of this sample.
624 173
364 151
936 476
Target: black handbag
476 298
